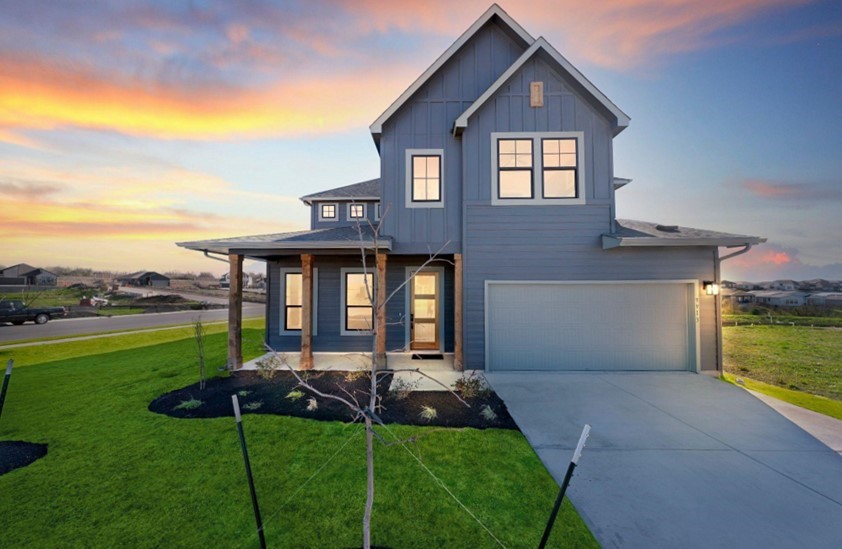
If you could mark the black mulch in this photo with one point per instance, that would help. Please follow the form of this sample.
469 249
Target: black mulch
17 453
274 397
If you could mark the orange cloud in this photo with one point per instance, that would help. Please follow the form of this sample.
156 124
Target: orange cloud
821 191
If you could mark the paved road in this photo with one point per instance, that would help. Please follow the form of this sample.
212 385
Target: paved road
77 326
679 460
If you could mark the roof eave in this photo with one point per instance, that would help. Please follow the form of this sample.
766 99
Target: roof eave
615 241
225 246
376 127
310 199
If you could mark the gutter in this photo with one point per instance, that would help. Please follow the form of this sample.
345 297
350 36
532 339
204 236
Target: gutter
207 254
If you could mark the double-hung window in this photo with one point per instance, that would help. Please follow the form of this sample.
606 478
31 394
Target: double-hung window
424 178
542 168
357 314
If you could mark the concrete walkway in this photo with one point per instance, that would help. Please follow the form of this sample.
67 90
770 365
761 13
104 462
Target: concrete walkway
825 428
680 460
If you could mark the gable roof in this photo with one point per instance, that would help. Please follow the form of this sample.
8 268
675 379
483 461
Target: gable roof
21 269
644 233
541 46
364 190
496 13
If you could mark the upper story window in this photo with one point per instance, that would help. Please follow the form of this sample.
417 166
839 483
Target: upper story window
356 211
424 178
328 212
537 168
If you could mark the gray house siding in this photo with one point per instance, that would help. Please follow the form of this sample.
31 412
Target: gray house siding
425 122
328 338
342 212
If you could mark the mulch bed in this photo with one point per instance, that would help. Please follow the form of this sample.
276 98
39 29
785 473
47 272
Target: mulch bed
261 396
15 454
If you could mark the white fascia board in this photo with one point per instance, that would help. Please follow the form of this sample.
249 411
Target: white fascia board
309 200
377 127
539 45
224 247
611 241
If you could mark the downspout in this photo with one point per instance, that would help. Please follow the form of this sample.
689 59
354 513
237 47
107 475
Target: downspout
207 254
718 303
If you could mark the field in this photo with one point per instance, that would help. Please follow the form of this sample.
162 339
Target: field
117 474
797 358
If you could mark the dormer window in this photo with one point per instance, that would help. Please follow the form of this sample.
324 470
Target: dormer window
328 212
424 179
356 211
537 169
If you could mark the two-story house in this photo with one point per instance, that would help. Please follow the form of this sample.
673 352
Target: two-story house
499 158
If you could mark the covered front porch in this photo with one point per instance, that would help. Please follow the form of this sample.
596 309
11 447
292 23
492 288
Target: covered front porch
316 318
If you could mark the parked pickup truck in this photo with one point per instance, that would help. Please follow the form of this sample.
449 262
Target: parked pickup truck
17 312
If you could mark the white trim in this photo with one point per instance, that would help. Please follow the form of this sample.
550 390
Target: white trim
693 309
408 178
408 272
614 241
283 271
335 217
376 207
538 169
310 201
342 272
348 211
376 127
542 45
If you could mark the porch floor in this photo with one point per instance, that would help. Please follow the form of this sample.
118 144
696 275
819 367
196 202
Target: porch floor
441 369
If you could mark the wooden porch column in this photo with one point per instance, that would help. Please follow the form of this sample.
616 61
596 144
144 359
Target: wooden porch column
457 312
306 311
235 312
381 311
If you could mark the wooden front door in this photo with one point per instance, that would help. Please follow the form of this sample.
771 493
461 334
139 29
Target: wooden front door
424 311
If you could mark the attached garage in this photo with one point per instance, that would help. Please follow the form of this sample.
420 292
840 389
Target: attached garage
591 326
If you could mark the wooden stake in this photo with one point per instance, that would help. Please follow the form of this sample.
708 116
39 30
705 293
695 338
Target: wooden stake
6 379
254 504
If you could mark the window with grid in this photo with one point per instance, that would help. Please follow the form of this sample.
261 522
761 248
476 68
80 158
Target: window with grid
560 172
328 211
514 166
292 301
359 315
426 178
356 211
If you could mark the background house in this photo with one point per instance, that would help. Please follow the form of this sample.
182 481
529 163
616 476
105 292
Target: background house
27 275
145 278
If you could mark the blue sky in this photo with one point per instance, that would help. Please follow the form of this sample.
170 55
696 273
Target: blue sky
124 128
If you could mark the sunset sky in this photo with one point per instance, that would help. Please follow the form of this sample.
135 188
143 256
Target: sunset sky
127 126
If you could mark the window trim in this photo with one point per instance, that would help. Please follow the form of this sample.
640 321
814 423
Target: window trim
282 294
575 170
377 211
538 198
333 219
343 307
531 170
354 219
410 203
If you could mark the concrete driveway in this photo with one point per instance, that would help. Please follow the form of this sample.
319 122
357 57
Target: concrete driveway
679 460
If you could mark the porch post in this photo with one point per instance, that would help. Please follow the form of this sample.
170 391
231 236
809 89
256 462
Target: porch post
235 312
457 312
381 311
306 311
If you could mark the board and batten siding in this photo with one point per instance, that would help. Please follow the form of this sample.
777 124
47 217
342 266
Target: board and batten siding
426 122
342 220
328 338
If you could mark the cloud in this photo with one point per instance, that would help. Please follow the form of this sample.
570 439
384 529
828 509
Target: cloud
792 192
773 262
26 189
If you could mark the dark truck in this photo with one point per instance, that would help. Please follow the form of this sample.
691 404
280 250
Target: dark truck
17 313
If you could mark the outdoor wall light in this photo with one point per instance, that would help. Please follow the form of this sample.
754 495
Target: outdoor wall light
710 287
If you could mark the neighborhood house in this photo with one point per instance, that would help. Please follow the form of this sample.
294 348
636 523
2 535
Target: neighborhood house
26 275
498 157
146 278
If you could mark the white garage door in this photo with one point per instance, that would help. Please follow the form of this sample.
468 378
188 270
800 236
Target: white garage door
590 326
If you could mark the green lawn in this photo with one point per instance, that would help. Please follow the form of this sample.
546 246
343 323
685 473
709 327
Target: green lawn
816 321
822 405
800 359
119 475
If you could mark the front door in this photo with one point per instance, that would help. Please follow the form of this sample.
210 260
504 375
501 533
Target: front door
424 311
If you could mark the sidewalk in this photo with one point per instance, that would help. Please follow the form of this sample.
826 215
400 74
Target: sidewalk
825 428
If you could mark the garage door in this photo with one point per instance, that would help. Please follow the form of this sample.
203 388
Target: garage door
590 326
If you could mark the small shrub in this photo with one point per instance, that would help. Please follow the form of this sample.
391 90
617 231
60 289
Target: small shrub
487 413
400 389
294 395
472 386
267 366
312 404
243 393
354 375
191 404
428 413
252 406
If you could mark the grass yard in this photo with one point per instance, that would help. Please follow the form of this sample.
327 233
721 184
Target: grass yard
119 475
814 321
796 358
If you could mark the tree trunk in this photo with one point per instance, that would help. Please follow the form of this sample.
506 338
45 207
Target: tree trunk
369 502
